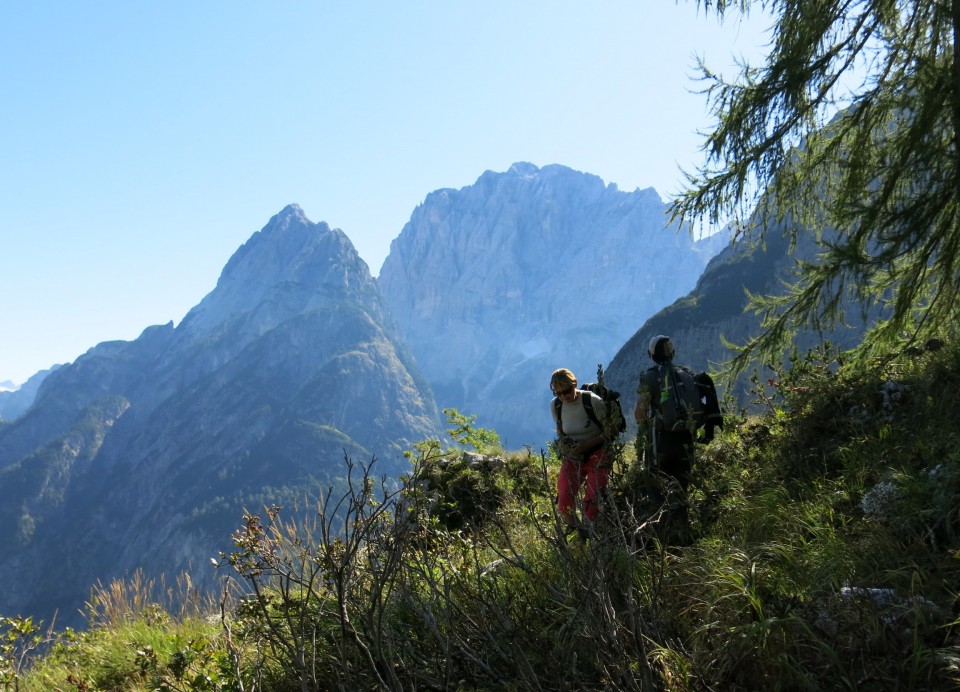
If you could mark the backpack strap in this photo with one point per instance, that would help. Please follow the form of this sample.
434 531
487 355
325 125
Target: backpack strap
557 406
588 407
651 380
680 403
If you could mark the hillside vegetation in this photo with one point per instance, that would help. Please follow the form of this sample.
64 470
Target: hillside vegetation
825 556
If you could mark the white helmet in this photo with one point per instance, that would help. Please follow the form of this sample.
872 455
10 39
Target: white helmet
661 349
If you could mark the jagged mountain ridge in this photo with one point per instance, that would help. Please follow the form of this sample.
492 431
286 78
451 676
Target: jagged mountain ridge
145 453
499 283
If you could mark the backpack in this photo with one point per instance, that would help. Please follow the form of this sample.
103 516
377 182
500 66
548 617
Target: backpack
713 415
615 422
683 400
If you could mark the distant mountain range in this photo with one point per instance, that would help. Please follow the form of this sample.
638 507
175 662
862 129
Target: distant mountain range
146 453
15 400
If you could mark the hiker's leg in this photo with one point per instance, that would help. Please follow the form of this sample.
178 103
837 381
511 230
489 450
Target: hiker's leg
597 475
677 463
568 484
675 459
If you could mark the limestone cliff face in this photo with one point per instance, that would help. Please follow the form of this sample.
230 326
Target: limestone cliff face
498 284
146 453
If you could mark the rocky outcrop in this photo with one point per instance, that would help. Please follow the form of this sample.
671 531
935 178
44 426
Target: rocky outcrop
498 284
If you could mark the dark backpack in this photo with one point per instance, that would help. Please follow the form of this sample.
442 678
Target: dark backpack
713 414
615 423
683 400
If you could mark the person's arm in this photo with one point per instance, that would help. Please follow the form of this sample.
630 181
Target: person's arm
642 410
588 445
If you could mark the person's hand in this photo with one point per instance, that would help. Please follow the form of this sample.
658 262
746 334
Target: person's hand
567 447
585 446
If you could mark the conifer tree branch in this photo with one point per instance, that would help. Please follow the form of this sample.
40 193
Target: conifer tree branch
877 186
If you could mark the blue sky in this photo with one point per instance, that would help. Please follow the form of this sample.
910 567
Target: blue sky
143 142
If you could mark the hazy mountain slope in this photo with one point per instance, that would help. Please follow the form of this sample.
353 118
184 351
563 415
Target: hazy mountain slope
146 453
498 284
14 403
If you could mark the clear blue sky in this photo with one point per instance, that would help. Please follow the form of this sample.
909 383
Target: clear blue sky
141 143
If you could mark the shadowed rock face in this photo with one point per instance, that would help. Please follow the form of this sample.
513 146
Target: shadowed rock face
715 310
498 284
146 453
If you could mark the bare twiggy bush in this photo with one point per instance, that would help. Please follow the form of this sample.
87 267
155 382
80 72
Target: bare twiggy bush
376 592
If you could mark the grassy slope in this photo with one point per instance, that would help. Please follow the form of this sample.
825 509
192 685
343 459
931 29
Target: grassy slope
826 555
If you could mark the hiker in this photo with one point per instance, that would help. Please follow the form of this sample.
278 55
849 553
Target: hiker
582 448
670 445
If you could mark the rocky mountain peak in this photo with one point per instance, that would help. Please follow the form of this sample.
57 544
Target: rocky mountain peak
289 266
501 282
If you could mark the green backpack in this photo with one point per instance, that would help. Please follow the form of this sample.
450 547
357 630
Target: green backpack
682 399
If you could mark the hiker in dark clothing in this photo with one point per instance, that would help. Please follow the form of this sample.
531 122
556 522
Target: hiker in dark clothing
582 448
668 452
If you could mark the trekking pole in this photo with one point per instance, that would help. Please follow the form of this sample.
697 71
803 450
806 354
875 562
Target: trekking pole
653 443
